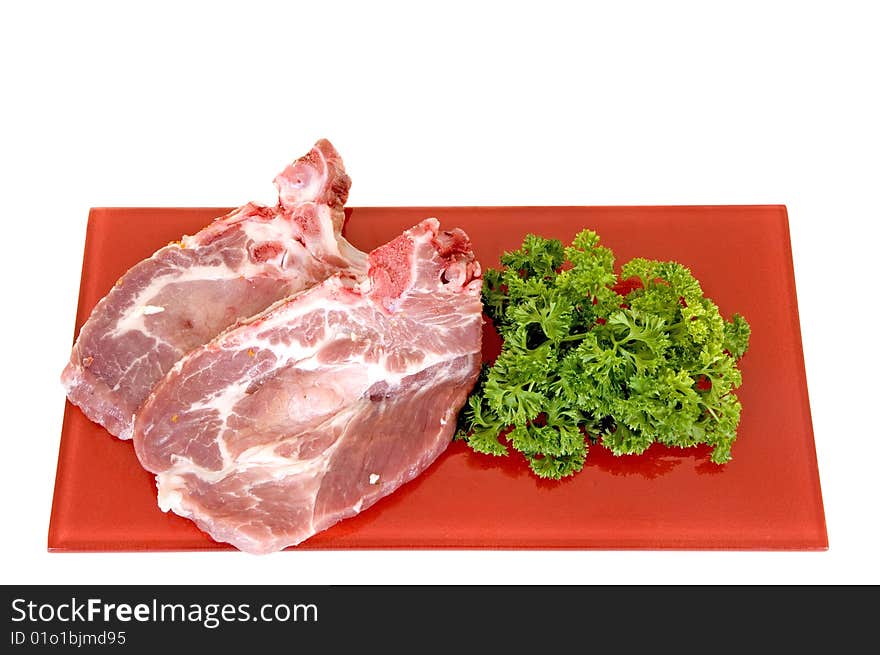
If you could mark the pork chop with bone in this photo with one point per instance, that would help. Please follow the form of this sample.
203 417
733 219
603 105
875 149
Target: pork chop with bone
312 411
190 291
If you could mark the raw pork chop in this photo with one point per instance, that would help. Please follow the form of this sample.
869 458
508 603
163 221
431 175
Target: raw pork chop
317 408
188 292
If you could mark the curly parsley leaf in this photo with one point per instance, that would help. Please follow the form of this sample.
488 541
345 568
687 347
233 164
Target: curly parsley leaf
592 357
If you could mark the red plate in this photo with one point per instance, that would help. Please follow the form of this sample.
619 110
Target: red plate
768 497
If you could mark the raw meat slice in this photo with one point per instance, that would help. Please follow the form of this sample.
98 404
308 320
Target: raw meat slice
314 410
190 291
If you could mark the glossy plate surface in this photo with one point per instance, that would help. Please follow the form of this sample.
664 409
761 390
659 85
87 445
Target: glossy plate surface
767 498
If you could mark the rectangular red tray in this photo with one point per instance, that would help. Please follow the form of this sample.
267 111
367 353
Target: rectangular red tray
767 498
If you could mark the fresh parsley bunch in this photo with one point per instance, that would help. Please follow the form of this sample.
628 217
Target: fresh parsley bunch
588 359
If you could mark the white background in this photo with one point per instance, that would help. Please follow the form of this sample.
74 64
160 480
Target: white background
464 103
